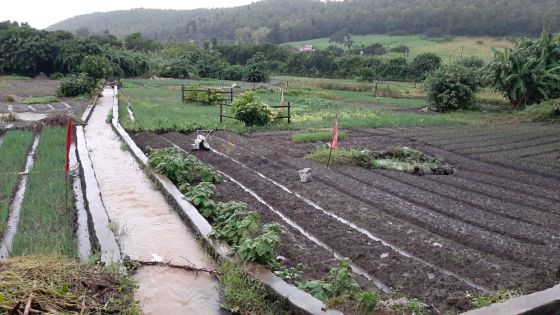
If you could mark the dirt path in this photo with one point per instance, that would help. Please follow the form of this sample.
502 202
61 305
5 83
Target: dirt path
148 226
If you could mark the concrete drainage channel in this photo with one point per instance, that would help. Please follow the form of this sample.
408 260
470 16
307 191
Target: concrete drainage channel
301 301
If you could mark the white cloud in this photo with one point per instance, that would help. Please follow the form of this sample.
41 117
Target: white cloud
41 14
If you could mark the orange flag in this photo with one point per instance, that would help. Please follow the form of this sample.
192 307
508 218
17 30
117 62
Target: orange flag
334 144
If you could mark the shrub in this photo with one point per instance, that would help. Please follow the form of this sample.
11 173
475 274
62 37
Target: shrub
251 110
234 73
97 67
365 75
424 64
256 68
471 62
76 84
452 87
10 98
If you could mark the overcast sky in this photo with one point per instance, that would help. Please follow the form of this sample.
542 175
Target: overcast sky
41 13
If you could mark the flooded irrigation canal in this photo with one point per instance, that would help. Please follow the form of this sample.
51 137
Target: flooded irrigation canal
147 228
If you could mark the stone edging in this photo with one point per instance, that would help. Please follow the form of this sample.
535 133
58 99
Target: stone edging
110 251
301 301
538 303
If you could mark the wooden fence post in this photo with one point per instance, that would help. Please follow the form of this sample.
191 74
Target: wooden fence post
231 95
182 93
221 112
289 113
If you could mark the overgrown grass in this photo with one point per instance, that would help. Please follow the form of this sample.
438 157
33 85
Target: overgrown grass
548 110
46 224
496 297
40 100
396 158
13 153
65 286
244 295
316 135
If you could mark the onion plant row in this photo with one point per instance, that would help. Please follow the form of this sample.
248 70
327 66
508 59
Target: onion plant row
46 224
13 151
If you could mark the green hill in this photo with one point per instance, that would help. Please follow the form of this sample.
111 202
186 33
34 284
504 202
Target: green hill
280 21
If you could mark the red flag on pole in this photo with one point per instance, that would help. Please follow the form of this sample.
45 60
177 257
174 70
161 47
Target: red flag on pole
68 143
334 143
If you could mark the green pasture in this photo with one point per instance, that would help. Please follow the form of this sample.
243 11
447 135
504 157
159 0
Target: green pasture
449 49
159 108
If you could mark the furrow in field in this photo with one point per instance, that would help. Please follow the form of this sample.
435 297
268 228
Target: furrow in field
511 149
468 208
488 144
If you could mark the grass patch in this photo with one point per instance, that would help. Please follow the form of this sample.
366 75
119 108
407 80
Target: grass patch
46 226
14 77
65 286
548 110
450 50
343 156
396 158
499 296
316 135
244 295
13 152
40 100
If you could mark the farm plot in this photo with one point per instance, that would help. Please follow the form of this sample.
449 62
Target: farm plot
435 238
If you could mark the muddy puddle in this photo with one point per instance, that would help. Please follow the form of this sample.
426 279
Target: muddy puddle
147 228
15 207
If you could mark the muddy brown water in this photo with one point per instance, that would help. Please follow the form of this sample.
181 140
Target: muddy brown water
147 227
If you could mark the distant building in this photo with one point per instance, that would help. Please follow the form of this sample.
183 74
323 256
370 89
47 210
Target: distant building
306 48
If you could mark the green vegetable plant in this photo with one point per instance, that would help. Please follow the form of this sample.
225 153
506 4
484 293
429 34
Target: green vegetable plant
291 274
180 169
340 283
200 196
260 249
239 226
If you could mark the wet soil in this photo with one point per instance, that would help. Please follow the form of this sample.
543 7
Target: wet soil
488 226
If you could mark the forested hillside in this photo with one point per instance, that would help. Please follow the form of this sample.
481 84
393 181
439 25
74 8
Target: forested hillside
293 20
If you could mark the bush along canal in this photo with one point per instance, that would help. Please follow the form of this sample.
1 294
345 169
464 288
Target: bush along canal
148 231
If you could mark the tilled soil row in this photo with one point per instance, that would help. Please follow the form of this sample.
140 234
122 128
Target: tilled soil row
480 240
380 261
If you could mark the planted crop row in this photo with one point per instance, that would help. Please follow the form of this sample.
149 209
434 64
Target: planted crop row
46 224
13 151
241 229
